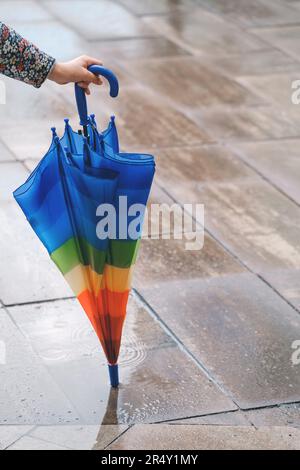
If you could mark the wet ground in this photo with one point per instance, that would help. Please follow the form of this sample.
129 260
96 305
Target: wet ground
207 349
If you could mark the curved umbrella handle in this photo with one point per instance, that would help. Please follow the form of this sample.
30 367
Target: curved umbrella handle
80 94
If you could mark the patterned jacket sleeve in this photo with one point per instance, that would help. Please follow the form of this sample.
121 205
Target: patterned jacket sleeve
21 59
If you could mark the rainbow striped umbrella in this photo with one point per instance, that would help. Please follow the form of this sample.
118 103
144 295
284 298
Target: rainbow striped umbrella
61 200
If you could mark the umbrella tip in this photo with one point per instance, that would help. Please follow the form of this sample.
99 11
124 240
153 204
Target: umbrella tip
66 121
114 375
112 117
53 129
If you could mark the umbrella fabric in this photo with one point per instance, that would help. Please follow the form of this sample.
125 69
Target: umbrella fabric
136 172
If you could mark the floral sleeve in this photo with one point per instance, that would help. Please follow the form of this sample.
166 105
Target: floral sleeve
21 59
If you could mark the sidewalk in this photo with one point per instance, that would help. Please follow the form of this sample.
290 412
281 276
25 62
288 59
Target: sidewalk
206 356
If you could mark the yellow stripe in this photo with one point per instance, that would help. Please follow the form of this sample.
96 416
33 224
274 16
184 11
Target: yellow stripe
83 277
117 279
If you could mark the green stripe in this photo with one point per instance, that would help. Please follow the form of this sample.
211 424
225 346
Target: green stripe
78 251
122 253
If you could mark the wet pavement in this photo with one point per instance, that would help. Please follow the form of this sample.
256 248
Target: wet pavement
206 357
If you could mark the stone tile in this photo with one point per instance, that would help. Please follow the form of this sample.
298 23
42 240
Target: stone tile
286 282
50 35
107 434
27 105
273 88
285 415
203 85
265 61
135 49
12 175
150 366
148 7
255 12
79 437
239 329
278 161
105 19
5 154
146 122
252 219
30 443
29 275
284 38
202 31
233 418
10 434
246 124
171 260
24 11
194 166
193 437
29 395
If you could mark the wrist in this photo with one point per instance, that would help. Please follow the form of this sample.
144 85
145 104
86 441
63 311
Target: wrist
56 73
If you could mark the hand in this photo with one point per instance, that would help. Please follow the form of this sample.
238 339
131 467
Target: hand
76 71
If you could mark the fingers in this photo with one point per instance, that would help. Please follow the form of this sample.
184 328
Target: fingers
92 61
87 76
85 86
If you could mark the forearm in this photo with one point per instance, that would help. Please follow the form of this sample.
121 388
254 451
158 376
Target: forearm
22 60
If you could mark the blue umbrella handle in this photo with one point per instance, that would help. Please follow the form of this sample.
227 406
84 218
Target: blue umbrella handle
80 94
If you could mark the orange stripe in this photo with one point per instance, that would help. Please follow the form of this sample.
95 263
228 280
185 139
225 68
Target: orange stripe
106 312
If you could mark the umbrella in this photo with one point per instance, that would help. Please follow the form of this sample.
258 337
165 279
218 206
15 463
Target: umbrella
61 201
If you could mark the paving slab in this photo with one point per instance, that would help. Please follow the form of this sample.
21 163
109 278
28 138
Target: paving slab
154 372
277 161
285 415
193 437
45 35
28 395
26 104
105 19
205 32
12 175
148 7
252 219
30 443
10 434
145 121
203 85
135 49
265 61
30 275
79 437
5 153
171 260
255 12
247 123
195 166
286 282
273 88
25 11
239 329
283 38
232 418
